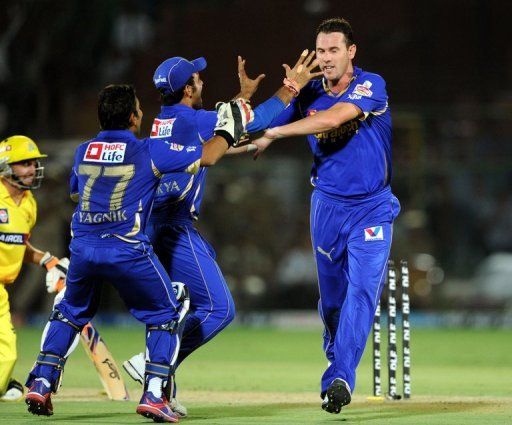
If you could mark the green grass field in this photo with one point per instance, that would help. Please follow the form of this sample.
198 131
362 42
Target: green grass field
268 376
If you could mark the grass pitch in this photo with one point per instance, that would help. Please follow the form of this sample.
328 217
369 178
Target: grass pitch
269 376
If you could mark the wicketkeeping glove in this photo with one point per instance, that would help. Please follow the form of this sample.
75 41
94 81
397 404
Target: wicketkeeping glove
56 272
232 118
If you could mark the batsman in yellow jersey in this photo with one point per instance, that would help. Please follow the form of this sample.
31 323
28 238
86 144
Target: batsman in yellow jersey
20 173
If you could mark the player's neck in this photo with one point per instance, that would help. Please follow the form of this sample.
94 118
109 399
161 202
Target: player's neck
187 101
338 86
15 193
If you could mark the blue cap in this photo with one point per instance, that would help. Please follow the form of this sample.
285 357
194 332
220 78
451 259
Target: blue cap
172 74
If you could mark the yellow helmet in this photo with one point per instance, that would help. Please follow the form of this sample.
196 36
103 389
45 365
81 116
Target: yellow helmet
17 149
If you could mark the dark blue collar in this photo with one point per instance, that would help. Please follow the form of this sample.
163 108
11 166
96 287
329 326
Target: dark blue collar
357 71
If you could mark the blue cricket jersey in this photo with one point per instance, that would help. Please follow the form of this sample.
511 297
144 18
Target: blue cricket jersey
115 176
354 160
179 195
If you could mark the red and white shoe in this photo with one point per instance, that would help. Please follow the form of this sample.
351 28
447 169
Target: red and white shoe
39 399
156 408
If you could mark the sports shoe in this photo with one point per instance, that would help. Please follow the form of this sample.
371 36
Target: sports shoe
156 408
336 396
178 408
135 368
39 399
14 391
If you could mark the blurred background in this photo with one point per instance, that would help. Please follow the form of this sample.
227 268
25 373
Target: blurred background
448 66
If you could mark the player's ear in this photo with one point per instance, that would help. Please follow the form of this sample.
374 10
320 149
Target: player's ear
352 51
133 119
187 91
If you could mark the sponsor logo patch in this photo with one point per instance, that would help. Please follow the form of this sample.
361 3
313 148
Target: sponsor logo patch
176 147
13 238
191 148
162 128
374 234
105 152
362 90
160 79
4 216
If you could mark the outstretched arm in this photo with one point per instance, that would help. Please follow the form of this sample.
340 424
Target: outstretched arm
322 121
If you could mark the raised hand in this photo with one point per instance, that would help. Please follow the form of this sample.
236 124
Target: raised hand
248 86
302 73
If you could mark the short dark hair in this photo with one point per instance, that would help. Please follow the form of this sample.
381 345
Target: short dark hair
337 25
172 98
116 103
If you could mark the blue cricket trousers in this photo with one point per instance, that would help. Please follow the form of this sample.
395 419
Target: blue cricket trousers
351 240
189 258
142 283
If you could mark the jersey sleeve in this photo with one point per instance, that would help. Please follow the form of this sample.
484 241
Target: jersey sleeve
170 157
369 95
290 114
265 113
206 121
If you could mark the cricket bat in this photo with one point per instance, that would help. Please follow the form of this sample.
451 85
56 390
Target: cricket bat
102 359
104 363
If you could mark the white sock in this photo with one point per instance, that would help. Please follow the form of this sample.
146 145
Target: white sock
155 386
44 381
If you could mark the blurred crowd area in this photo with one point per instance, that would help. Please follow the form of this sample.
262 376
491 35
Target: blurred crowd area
451 98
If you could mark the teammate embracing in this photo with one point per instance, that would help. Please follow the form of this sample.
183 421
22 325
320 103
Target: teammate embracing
185 254
347 118
114 179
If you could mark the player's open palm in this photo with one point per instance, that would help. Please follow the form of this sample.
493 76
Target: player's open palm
303 72
248 86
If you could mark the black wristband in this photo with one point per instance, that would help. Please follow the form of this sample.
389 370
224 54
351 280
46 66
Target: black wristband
226 136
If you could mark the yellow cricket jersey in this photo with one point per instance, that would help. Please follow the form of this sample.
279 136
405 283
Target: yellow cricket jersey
16 223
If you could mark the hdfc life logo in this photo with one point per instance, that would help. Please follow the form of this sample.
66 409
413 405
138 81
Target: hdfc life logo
105 152
162 128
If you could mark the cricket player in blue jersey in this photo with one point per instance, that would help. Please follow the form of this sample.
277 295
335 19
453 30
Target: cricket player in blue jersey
185 254
346 117
114 178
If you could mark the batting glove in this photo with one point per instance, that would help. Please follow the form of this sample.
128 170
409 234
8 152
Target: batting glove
232 118
56 272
